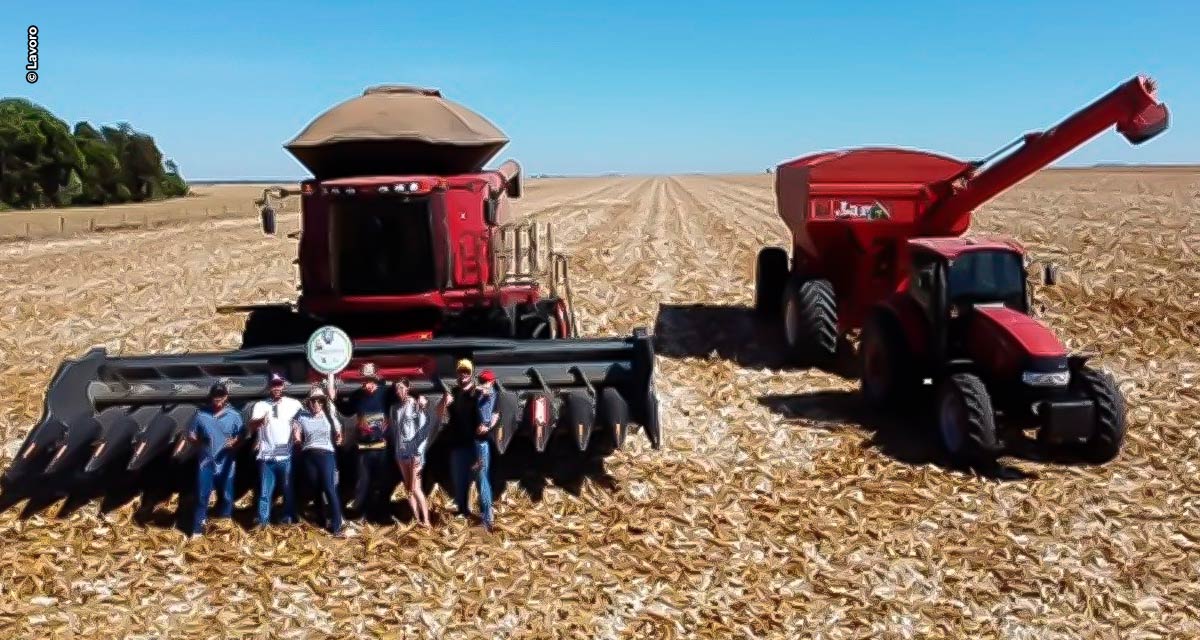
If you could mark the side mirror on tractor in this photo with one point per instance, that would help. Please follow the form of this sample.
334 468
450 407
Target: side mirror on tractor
268 219
1050 275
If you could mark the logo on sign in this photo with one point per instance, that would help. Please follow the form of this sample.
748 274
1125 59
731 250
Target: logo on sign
329 350
872 211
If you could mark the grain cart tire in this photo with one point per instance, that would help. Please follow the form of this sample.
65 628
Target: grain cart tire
888 371
965 419
770 277
1109 430
810 323
612 416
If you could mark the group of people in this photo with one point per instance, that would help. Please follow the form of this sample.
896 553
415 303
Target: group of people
392 428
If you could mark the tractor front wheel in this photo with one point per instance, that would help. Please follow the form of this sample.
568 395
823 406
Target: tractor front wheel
966 421
770 277
810 324
1109 430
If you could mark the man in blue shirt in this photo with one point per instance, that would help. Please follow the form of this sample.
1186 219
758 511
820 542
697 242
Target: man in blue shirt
218 429
486 420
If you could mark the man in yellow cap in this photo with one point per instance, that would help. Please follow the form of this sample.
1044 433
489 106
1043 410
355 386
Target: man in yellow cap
464 418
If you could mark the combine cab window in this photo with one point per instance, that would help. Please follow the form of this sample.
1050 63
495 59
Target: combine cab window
981 277
381 246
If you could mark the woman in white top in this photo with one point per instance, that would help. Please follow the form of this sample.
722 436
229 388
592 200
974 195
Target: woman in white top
409 424
318 431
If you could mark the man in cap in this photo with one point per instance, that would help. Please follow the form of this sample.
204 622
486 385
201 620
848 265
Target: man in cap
486 421
465 422
376 480
272 420
217 429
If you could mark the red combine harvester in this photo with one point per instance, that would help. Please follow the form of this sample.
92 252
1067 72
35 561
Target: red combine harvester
878 246
406 247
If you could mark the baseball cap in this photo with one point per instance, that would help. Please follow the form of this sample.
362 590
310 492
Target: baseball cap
218 390
277 380
368 372
465 365
487 376
316 392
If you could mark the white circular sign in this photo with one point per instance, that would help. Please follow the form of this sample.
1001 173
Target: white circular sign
329 350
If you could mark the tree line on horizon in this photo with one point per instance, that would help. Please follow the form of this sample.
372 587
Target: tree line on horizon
46 163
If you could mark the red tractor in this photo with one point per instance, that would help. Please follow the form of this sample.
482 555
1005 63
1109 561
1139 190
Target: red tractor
405 246
878 246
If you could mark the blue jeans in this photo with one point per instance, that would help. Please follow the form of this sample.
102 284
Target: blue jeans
321 466
216 473
462 459
270 473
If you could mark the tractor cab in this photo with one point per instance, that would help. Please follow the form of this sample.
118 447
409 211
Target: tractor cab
949 276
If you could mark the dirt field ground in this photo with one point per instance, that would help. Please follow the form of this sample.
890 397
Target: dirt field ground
777 508
211 201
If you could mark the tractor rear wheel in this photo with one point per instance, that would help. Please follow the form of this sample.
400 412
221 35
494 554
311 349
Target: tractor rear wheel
966 421
770 277
888 371
1109 431
810 324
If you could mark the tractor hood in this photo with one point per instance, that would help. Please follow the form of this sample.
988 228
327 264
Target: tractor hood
1008 341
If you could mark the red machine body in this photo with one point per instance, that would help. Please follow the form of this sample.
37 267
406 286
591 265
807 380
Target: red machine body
460 251
853 212
878 244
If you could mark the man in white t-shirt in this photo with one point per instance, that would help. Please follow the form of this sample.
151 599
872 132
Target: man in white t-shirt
272 419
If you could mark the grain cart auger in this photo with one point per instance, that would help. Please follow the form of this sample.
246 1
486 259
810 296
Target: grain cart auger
878 246
405 245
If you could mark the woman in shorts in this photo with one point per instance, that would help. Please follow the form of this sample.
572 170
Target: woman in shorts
410 423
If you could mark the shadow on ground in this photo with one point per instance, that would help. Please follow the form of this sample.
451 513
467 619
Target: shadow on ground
731 332
904 437
561 466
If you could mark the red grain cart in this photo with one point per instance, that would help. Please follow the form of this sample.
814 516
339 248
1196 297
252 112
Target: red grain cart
878 246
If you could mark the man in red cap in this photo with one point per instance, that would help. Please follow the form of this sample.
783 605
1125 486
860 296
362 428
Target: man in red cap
487 420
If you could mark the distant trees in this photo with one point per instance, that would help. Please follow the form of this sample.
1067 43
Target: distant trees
44 163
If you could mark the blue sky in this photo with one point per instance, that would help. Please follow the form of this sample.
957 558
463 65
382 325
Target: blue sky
620 86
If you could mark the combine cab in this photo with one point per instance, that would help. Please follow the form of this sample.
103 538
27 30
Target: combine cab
419 266
878 246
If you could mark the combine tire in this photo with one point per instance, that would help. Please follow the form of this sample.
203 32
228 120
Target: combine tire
888 370
810 323
966 422
1109 430
770 277
269 327
537 321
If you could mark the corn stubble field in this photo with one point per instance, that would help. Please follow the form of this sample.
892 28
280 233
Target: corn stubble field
777 508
